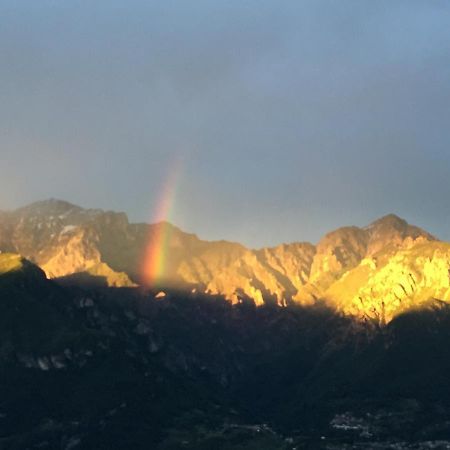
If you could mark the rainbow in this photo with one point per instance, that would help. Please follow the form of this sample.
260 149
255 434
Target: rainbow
156 252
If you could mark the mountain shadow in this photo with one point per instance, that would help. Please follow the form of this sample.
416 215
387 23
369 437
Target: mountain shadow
114 368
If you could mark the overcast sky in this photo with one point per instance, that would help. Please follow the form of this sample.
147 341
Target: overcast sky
290 118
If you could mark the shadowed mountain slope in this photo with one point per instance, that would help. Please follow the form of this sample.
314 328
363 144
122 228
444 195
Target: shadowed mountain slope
118 368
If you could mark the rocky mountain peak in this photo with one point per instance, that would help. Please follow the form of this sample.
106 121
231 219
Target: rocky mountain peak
392 230
58 211
50 207
390 220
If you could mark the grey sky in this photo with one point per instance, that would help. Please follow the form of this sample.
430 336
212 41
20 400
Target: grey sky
291 117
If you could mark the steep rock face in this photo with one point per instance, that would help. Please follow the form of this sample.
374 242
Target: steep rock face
344 249
246 278
63 239
208 260
270 275
336 252
290 262
73 251
380 289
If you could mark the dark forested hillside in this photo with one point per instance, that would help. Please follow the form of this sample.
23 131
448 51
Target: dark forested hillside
118 368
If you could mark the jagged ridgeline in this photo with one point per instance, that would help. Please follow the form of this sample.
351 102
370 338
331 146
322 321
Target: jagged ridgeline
118 367
374 272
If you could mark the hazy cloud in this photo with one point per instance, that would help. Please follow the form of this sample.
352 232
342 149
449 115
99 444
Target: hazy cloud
291 117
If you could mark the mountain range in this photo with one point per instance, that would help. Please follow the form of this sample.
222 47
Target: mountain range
373 273
339 345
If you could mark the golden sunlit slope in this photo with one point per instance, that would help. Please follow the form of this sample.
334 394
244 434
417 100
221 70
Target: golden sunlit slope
383 286
10 262
346 248
269 275
62 239
14 267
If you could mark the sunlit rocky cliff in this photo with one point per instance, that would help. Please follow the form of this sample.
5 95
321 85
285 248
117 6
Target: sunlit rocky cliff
374 272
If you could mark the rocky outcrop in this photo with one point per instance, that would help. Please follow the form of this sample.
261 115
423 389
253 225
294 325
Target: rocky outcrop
382 289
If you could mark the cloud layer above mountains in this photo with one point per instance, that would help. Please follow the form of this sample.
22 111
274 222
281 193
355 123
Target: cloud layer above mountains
289 118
